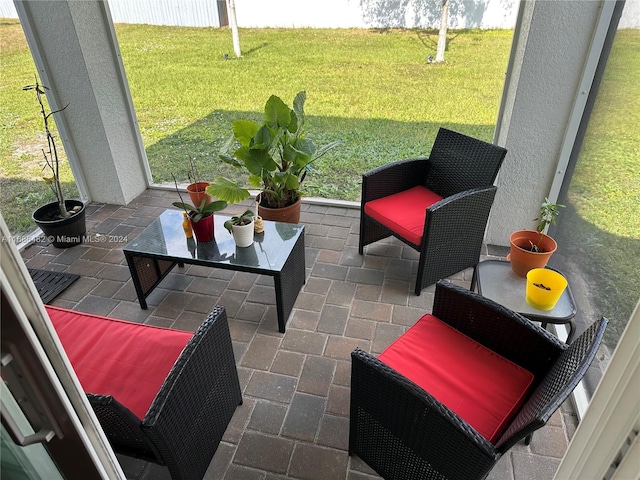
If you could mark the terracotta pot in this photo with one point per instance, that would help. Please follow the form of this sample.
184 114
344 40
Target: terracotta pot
63 232
290 214
203 229
197 193
523 260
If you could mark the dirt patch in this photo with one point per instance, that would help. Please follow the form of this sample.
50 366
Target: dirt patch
28 152
33 147
11 36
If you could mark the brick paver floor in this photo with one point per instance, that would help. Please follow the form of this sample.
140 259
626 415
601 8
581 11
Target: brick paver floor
294 419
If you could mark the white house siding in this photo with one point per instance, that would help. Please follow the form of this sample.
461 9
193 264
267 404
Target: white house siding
630 15
325 13
7 10
375 13
182 13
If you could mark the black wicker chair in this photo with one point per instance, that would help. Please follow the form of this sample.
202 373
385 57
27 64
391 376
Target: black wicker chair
403 432
190 413
461 170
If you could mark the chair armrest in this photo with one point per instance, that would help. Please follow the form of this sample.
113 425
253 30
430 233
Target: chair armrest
565 374
426 434
460 218
453 234
497 328
122 428
192 409
393 178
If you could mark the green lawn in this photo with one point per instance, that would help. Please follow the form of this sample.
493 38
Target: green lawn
600 231
371 89
383 103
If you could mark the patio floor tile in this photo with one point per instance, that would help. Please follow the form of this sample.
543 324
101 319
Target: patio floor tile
294 420
303 417
312 462
264 452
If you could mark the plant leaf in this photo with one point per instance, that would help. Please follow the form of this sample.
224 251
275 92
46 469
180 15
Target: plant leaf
255 180
298 109
244 131
324 149
184 206
257 162
227 190
276 113
230 160
213 207
262 139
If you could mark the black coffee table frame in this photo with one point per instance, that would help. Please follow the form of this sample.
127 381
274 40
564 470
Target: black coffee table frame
151 261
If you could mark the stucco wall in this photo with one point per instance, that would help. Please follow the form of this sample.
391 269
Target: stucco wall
551 51
98 129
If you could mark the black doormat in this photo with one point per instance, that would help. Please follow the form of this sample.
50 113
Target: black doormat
51 284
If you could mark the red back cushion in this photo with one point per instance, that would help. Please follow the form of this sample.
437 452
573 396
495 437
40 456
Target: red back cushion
404 212
126 360
482 387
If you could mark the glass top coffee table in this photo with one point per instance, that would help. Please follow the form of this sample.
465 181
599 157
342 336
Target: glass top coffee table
495 280
277 252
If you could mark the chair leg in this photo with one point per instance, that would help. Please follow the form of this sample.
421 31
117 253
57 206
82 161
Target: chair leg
420 274
474 279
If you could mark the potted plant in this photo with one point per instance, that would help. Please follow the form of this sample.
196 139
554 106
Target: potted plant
196 186
532 248
276 154
62 221
241 227
200 217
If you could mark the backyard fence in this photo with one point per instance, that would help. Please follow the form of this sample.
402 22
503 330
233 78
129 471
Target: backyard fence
309 13
324 13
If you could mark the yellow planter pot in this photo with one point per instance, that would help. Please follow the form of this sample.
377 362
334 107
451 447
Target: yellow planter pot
544 288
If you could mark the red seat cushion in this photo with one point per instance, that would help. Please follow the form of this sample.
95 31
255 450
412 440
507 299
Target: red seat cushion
482 387
126 360
404 212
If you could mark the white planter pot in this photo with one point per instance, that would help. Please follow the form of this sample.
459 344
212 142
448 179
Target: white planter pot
243 234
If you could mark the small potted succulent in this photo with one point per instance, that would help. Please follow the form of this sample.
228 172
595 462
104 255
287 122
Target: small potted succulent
532 248
63 221
276 154
242 228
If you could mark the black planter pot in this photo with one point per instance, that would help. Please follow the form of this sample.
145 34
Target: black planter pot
63 232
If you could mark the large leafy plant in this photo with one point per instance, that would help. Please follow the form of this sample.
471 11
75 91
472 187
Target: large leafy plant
277 155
